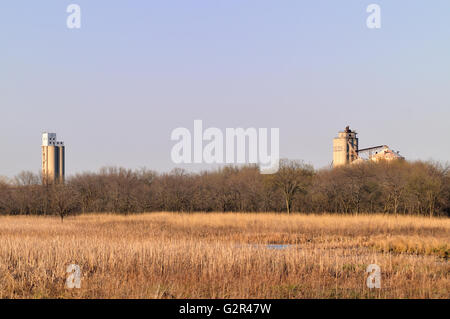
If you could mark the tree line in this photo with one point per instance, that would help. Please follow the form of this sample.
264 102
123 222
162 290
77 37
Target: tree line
397 187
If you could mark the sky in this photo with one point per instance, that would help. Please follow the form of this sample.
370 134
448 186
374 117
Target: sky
116 88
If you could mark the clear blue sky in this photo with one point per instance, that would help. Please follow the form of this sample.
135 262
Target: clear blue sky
115 89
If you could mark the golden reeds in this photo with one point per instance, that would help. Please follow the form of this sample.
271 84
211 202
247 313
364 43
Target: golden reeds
214 255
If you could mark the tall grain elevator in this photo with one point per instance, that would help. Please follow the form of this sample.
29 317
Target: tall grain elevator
345 147
53 159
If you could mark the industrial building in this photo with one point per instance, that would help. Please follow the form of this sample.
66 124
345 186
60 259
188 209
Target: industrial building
53 159
346 150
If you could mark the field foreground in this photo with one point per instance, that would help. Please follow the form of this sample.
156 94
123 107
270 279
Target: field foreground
169 255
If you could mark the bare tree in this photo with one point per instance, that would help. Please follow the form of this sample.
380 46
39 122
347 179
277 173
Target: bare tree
63 199
292 177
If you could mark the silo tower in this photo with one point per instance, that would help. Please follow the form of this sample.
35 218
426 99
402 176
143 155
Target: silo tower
53 159
345 147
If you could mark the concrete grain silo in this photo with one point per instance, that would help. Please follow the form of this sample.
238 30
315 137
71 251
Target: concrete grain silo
53 159
345 147
346 150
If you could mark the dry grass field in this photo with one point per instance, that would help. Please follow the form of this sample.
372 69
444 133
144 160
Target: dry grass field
170 255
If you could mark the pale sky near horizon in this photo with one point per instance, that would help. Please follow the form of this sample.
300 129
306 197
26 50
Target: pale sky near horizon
116 88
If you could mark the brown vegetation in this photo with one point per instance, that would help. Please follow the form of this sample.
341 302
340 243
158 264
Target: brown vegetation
217 255
399 187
